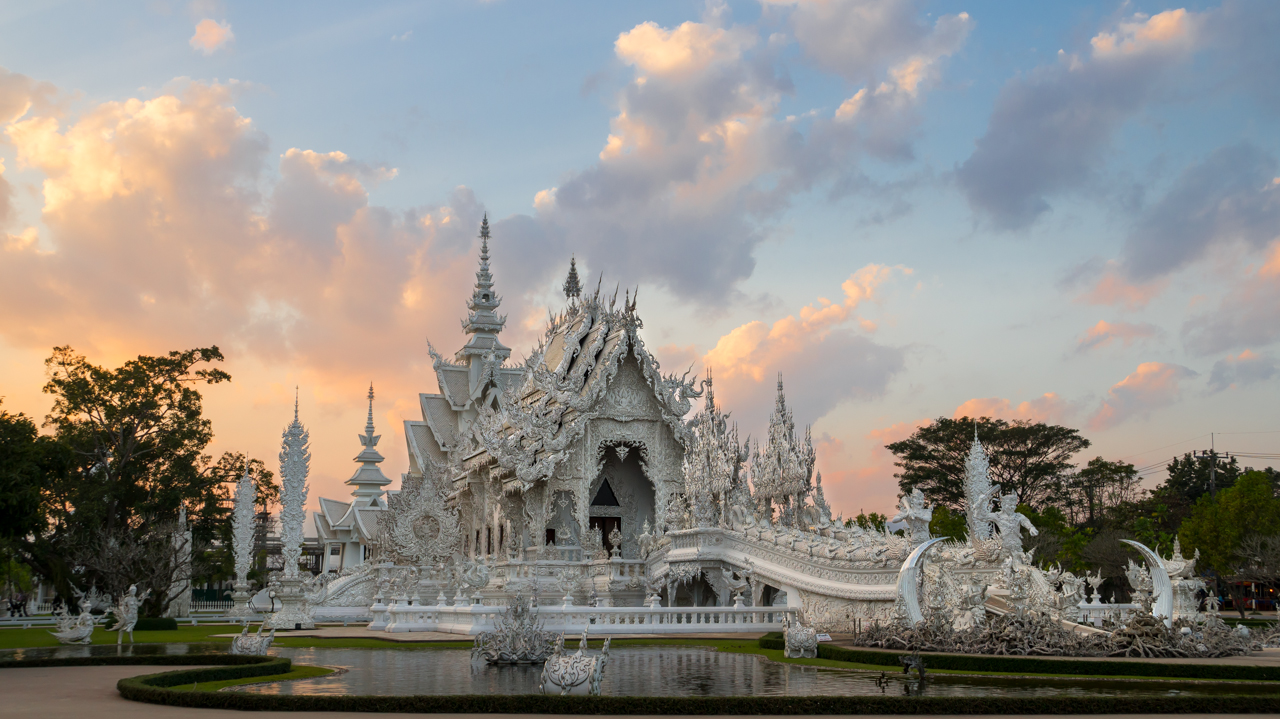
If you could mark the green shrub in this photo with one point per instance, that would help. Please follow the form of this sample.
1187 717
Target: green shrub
1036 665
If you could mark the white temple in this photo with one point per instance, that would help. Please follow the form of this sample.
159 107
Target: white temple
346 530
580 477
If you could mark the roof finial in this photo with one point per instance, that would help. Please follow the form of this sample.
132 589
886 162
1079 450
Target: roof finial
369 424
295 403
711 395
572 286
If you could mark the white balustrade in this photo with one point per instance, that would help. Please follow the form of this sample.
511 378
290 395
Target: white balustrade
473 619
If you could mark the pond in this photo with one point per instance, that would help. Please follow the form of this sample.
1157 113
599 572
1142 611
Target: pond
678 671
637 671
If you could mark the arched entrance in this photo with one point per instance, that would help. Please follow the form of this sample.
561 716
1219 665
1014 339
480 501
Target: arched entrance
622 497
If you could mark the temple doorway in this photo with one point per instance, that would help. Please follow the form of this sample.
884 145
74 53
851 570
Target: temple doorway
622 498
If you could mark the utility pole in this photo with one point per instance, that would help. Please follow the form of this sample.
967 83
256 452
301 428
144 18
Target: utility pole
1213 467
1212 454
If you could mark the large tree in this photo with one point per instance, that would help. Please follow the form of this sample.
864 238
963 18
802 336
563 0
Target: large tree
1099 486
135 438
1189 476
1030 458
22 468
1226 528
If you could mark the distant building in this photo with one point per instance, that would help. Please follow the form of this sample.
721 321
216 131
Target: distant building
345 530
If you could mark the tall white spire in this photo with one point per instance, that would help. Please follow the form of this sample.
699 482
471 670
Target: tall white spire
368 479
295 465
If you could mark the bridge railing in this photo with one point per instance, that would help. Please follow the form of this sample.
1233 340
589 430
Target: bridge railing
473 619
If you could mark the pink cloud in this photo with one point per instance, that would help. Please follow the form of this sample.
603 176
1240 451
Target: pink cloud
1246 368
862 480
1049 407
1114 290
1152 386
211 35
165 227
820 356
1104 333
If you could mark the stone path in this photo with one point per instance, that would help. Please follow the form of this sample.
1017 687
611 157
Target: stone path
90 693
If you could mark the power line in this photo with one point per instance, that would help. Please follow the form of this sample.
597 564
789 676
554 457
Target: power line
1175 444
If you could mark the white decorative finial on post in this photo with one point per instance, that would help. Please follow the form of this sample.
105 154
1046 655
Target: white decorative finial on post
295 465
246 498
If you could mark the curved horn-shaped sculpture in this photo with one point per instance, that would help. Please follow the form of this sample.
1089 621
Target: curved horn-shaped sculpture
1162 607
908 578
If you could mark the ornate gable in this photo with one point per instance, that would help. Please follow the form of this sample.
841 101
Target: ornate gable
628 396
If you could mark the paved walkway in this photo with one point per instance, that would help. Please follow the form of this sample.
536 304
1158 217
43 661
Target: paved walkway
90 693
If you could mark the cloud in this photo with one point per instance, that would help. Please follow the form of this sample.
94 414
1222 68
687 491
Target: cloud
698 161
859 40
1049 130
823 362
688 50
1152 386
1248 316
888 49
6 198
1048 408
1104 333
20 94
751 350
1241 370
1112 288
1233 196
166 224
860 477
211 36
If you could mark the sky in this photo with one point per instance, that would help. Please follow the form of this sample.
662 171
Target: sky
1062 212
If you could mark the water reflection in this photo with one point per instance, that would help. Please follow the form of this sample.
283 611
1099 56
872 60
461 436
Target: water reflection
676 671
111 650
632 671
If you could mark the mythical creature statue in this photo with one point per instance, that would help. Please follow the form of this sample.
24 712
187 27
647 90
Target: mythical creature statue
916 515
574 674
252 644
75 629
800 641
517 638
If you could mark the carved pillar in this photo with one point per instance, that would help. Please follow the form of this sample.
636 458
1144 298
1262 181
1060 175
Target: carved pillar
536 502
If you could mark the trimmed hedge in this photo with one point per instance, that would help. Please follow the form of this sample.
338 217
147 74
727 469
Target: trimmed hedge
143 689
241 663
1036 665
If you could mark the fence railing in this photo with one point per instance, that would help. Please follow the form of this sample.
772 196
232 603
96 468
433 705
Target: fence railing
473 619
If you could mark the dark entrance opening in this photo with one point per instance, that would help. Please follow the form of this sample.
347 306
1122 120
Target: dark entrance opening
607 525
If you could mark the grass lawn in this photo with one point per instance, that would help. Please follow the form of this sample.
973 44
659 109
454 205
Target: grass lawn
299 672
40 636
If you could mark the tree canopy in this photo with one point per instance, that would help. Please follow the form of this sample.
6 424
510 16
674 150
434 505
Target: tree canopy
1030 458
1220 524
1189 475
126 450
